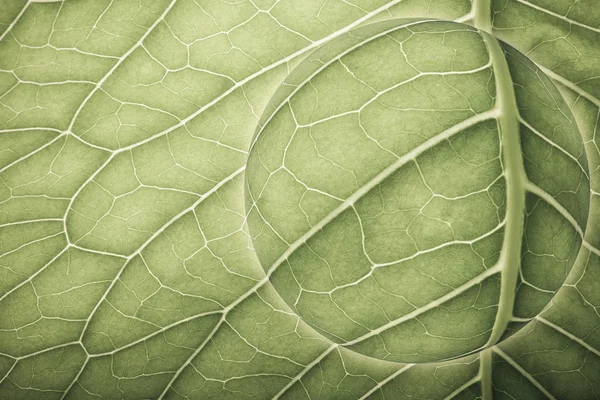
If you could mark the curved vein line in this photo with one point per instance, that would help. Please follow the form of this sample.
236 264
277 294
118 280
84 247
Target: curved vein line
30 243
74 381
6 376
148 241
191 357
80 189
455 242
415 152
463 387
252 77
103 253
378 94
31 153
542 194
377 179
151 238
523 372
555 145
568 334
56 347
412 257
570 85
485 373
262 71
156 333
119 62
386 380
559 16
30 221
429 306
305 371
514 172
545 196
15 20
337 57
39 271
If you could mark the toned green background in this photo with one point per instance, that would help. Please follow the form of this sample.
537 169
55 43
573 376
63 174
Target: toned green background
127 270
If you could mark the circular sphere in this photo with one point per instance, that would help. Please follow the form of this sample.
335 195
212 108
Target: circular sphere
414 188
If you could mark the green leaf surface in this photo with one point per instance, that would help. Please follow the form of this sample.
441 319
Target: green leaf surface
128 261
383 231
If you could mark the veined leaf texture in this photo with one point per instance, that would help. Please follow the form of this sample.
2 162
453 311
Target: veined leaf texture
317 199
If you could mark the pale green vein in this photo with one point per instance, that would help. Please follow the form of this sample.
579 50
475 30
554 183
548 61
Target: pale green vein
377 179
386 381
357 195
570 85
555 145
523 372
482 13
192 356
510 255
568 334
299 376
14 21
119 62
563 18
485 372
151 238
545 196
429 306
464 387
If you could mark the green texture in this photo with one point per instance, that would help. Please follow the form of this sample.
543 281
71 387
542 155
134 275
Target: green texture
136 254
386 191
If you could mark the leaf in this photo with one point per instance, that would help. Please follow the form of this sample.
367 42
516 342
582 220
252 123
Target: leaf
388 208
126 266
559 37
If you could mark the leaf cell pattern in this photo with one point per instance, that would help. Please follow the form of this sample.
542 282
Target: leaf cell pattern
388 234
127 270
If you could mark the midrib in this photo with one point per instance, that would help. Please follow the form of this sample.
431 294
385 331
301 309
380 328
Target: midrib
510 255
482 10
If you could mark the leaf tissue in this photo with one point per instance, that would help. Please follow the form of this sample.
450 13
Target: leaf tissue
299 199
401 190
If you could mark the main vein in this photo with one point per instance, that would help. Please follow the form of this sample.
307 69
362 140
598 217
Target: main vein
510 255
